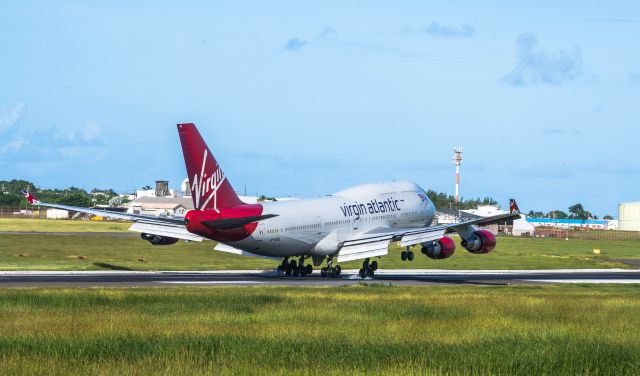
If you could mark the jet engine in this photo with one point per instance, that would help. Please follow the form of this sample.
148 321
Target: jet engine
158 239
439 249
481 241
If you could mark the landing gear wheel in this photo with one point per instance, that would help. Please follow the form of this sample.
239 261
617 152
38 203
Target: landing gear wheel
374 266
288 271
403 255
362 274
309 268
370 273
338 269
410 256
280 270
296 271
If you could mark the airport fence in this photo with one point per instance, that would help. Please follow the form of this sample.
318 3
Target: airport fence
17 212
586 234
540 232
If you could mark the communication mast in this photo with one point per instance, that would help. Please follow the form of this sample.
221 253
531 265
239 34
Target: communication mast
457 160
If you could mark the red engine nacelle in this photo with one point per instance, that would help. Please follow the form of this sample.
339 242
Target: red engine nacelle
482 241
158 239
439 249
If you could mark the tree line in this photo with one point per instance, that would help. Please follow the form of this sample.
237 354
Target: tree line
444 201
575 211
10 194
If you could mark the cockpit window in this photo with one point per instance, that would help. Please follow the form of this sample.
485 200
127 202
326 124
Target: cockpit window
422 194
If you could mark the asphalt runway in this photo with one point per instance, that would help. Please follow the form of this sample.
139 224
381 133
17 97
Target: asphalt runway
269 277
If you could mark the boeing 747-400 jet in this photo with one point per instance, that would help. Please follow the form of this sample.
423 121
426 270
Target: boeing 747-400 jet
355 223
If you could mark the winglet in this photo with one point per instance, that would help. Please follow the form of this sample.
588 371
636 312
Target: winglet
513 207
31 198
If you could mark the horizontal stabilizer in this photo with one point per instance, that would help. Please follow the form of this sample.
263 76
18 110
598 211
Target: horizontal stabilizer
230 223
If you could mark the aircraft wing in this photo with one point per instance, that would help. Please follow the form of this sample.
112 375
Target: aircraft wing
165 226
375 242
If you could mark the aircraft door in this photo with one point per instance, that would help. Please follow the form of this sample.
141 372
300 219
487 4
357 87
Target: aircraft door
355 224
260 232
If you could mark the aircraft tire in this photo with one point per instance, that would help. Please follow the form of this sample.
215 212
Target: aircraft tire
362 273
338 269
374 266
403 255
309 269
410 256
288 271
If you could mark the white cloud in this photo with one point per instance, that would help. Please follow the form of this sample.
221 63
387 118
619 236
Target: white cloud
295 44
10 116
91 132
536 66
14 145
634 76
436 29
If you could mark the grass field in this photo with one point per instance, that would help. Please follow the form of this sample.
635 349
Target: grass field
49 225
55 252
534 330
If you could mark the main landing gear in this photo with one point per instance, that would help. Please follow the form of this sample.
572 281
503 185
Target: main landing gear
368 269
294 268
331 271
407 255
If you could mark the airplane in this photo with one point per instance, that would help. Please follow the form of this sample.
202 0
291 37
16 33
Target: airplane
356 223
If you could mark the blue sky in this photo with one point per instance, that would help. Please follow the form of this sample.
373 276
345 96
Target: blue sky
301 98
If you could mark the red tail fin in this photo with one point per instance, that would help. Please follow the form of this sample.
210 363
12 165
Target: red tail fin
513 207
210 189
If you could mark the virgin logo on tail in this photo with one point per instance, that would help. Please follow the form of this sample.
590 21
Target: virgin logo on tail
207 186
513 207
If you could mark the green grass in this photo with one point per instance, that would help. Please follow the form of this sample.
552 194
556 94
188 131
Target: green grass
60 225
538 330
55 252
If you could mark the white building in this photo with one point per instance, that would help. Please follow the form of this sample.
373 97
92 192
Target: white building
174 206
629 216
521 226
486 211
57 214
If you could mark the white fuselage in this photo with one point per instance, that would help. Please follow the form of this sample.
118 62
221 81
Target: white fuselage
316 227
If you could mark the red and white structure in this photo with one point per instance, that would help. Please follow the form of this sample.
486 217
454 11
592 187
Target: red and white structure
457 161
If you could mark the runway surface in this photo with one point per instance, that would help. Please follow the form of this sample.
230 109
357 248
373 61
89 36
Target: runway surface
417 277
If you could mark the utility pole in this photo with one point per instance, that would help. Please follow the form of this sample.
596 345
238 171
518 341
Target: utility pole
457 161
